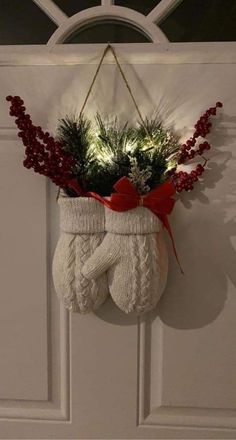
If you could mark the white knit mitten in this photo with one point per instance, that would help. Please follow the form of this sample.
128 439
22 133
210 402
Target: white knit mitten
82 222
134 254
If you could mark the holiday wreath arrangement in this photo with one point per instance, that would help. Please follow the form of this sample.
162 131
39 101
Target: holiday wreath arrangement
118 186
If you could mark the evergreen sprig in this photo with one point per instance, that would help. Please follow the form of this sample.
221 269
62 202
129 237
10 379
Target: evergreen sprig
107 153
152 135
77 138
114 141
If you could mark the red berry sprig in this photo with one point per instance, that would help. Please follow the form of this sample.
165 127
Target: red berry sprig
43 153
183 180
202 128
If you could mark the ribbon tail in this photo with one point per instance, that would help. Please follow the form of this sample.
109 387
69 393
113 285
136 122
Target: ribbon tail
117 202
73 184
166 224
100 199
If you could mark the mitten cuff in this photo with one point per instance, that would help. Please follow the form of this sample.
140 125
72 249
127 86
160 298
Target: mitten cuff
82 215
135 221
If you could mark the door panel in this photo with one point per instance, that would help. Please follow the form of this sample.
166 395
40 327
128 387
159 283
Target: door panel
106 375
33 331
23 269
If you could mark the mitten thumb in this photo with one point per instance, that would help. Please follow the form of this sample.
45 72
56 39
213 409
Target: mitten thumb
103 257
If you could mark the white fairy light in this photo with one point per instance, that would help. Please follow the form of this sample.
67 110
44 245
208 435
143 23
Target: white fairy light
129 147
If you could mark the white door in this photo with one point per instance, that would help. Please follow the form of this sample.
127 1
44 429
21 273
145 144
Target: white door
106 375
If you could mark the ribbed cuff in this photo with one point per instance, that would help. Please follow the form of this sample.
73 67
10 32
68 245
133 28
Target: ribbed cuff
135 221
82 215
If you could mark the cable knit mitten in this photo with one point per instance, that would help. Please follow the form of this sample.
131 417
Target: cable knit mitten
82 222
134 254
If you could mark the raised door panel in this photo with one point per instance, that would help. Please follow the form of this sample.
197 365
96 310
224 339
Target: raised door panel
187 356
34 330
23 323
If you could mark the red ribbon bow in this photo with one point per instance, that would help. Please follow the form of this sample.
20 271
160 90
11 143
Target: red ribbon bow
126 197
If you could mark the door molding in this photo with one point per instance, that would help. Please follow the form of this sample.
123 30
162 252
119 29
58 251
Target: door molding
135 53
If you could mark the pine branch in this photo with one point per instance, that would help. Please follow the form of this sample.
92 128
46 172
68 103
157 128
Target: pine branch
76 136
114 152
159 139
113 140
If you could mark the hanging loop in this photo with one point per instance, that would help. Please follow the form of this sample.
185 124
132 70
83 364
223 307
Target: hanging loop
111 48
94 79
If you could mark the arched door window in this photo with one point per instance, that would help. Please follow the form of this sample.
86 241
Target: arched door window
118 21
114 31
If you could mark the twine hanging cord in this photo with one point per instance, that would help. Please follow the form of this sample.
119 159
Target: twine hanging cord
111 48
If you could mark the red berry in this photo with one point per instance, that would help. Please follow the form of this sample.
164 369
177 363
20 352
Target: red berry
191 154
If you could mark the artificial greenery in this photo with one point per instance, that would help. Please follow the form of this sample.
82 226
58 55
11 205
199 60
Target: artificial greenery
77 138
105 153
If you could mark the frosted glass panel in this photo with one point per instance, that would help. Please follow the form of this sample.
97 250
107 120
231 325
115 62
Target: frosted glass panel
201 20
141 6
109 30
23 22
71 7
